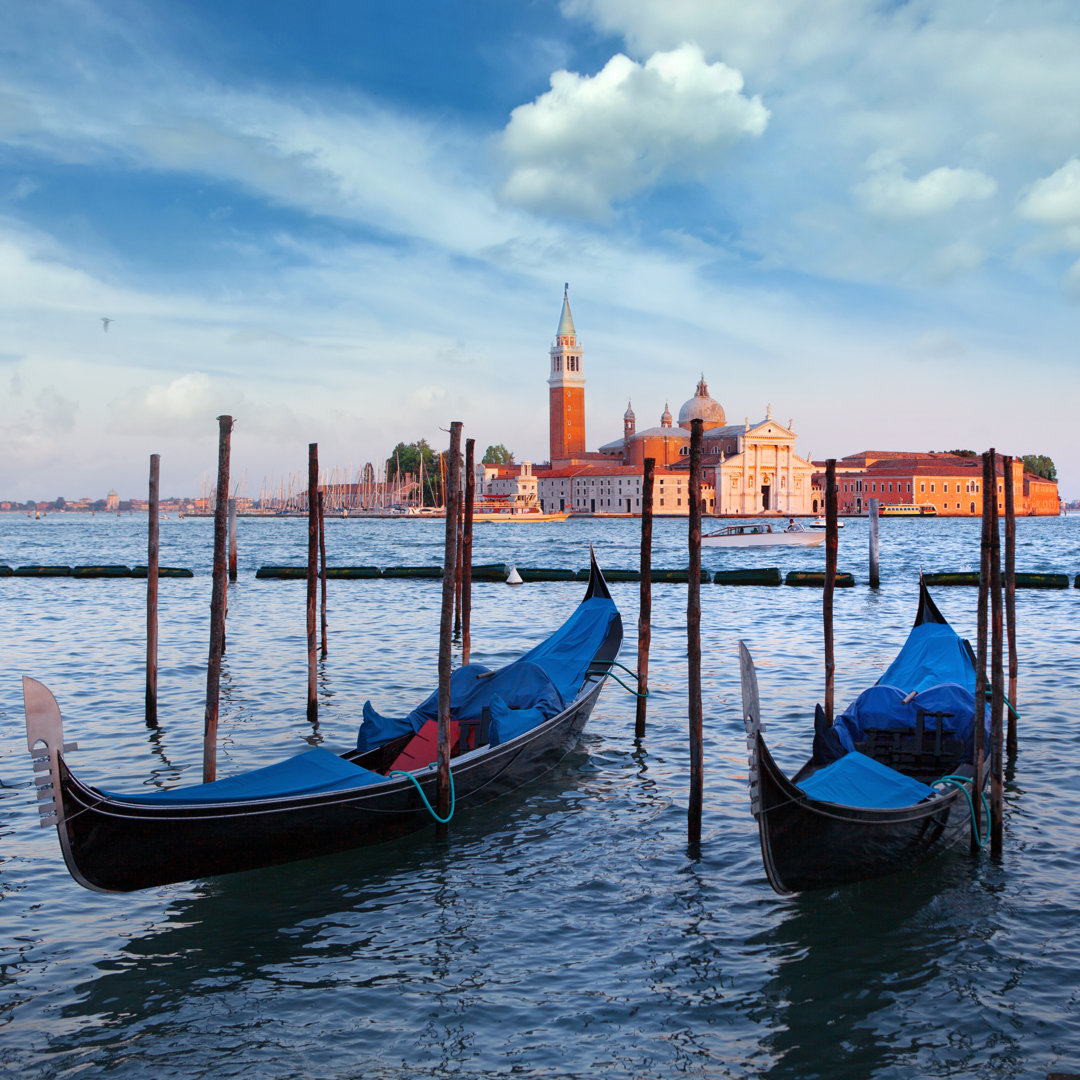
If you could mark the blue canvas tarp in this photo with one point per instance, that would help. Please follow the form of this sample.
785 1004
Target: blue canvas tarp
932 654
858 780
883 708
547 678
313 771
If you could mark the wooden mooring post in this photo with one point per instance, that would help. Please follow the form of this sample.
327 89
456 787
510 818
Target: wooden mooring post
693 639
466 549
312 576
232 539
450 562
989 496
1010 602
645 606
830 583
217 603
322 576
153 555
875 553
997 679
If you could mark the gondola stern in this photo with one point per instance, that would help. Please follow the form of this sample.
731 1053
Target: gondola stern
598 585
754 726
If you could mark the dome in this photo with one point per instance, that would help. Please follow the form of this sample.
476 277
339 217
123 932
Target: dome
665 416
702 407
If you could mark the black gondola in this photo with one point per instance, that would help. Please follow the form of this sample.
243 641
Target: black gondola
509 726
873 799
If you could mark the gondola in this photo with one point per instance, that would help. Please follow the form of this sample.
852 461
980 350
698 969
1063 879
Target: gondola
873 798
508 726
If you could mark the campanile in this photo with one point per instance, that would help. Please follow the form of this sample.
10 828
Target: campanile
566 389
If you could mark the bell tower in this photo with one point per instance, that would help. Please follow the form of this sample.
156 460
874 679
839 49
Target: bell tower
566 389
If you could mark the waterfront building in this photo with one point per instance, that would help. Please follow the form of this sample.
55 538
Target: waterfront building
950 483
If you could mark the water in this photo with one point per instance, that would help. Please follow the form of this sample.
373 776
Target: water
566 931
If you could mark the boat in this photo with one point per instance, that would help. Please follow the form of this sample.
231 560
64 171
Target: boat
908 510
527 515
508 726
889 782
762 533
821 523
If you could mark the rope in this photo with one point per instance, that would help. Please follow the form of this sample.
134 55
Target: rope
608 673
430 809
962 783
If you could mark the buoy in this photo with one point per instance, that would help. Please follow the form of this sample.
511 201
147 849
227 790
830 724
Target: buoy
514 578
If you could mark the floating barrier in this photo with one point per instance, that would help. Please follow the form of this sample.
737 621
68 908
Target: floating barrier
536 573
1023 580
412 572
613 575
43 571
490 572
816 579
299 573
163 571
100 571
6 571
353 572
766 576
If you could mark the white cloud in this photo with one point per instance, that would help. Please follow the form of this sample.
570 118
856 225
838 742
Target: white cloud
1055 199
593 140
888 193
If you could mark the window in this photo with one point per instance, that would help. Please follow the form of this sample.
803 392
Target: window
931 485
922 488
945 487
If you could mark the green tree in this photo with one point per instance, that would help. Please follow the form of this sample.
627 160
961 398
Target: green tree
498 455
406 459
962 453
1040 465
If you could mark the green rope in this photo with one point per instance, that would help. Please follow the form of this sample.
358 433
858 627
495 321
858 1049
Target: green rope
962 783
430 809
1004 697
634 693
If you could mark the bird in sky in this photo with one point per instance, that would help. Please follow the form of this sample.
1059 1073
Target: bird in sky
105 323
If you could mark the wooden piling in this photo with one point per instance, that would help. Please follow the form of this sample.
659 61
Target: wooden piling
693 638
217 603
457 577
875 574
1010 601
232 539
450 562
997 679
322 575
830 582
645 606
153 553
312 576
466 549
989 497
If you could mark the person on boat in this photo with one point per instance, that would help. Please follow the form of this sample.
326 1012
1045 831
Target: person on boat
791 525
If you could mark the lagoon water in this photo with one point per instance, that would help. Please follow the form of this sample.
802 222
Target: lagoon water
566 931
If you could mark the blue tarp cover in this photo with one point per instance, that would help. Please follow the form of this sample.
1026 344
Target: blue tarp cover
932 654
315 770
508 723
521 685
546 678
857 780
882 707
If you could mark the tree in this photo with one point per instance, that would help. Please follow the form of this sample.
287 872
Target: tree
962 453
406 460
498 455
1040 465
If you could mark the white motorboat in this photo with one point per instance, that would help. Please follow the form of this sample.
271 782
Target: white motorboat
762 534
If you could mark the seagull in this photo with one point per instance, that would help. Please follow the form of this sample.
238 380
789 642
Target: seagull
105 323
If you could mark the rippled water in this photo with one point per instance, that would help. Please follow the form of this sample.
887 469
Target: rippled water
567 930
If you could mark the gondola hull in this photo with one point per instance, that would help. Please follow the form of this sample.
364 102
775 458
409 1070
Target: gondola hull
809 844
113 846
117 843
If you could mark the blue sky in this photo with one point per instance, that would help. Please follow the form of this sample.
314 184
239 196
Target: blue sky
350 223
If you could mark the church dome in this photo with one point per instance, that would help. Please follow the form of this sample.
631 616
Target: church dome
702 407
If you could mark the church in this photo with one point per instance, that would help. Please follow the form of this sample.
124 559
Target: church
746 468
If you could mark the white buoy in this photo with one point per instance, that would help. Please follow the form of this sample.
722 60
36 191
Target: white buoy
514 578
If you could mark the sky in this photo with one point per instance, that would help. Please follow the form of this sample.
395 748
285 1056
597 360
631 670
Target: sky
350 223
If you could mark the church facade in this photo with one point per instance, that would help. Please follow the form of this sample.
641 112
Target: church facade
746 468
